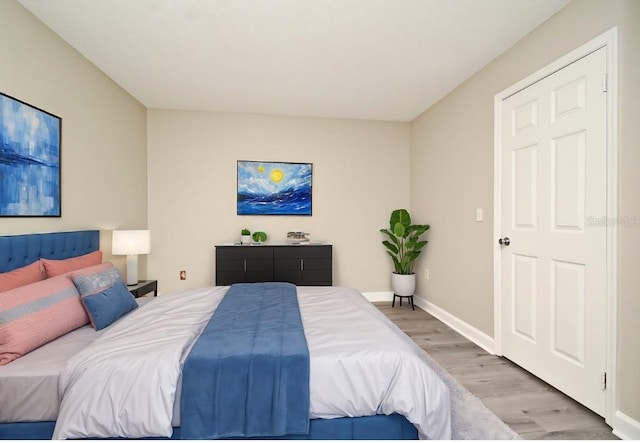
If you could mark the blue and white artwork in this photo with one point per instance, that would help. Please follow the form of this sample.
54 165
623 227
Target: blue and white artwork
272 188
29 160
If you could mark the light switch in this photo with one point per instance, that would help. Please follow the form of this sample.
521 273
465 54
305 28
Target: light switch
479 214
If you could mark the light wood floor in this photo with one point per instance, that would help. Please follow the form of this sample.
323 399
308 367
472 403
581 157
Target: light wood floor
531 407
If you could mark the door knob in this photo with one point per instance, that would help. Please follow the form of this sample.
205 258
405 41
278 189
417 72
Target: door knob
504 241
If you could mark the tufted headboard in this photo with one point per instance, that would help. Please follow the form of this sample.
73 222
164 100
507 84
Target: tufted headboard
20 250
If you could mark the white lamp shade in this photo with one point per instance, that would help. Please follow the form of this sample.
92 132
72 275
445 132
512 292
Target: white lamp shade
131 242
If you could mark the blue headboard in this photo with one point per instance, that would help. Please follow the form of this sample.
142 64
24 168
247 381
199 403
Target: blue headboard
20 250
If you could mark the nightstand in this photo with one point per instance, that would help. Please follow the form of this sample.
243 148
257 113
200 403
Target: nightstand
143 287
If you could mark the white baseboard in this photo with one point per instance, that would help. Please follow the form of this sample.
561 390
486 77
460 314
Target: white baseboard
625 427
475 335
378 296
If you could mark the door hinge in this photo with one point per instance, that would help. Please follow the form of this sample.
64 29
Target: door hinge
604 381
604 82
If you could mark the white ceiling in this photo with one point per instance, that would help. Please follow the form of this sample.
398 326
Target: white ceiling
362 59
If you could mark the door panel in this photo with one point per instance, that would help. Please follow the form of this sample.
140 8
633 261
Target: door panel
525 187
568 181
568 308
525 297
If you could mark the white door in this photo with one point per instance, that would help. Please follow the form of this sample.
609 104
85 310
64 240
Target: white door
554 189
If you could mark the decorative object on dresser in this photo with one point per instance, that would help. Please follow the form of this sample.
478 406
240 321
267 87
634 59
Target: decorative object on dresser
245 237
259 237
274 188
404 247
304 265
131 243
298 238
29 160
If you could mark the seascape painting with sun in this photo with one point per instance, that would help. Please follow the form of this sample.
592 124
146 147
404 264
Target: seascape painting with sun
272 188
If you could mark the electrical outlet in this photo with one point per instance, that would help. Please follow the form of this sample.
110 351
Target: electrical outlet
426 274
183 275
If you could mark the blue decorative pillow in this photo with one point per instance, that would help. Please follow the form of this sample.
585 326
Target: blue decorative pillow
88 284
109 305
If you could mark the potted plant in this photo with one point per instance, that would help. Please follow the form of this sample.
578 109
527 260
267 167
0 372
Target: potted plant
259 237
404 247
245 237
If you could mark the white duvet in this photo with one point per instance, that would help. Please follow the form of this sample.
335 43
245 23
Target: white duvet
124 384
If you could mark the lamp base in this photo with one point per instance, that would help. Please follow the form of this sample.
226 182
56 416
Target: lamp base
132 269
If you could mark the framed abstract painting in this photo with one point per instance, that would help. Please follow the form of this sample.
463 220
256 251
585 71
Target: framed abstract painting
274 188
29 160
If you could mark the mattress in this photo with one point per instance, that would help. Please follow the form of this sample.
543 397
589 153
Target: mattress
29 385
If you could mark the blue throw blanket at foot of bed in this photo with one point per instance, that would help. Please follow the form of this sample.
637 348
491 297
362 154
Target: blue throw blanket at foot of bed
248 373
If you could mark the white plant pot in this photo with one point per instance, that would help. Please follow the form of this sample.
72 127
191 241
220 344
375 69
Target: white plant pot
402 284
245 239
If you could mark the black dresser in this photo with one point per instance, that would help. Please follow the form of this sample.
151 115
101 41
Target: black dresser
302 265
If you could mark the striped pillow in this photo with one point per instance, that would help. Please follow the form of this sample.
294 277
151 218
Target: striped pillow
38 313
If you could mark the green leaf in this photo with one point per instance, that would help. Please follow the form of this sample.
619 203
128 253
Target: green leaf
418 229
412 255
395 240
420 244
399 229
400 216
390 247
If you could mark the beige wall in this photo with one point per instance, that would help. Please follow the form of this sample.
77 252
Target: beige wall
103 146
359 176
452 175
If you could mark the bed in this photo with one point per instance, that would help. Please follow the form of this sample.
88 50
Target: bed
372 385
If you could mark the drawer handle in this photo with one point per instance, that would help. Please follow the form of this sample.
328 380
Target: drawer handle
302 264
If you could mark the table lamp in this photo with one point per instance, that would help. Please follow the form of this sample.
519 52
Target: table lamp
131 243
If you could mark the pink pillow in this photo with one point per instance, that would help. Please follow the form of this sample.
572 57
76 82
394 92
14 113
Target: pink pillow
53 268
21 276
38 313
